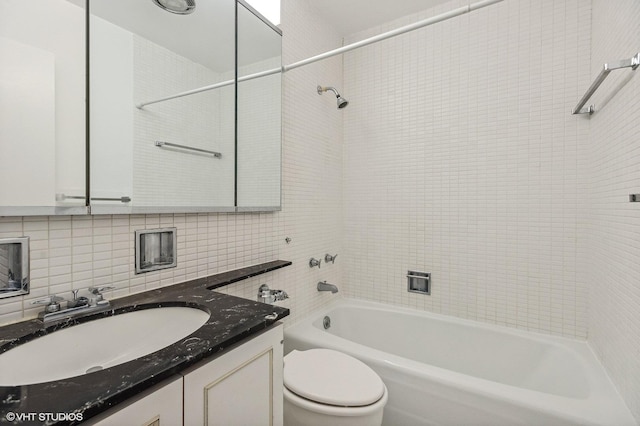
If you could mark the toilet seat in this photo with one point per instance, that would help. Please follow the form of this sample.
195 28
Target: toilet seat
329 377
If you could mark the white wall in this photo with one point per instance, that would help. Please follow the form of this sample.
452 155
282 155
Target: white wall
77 252
614 223
461 159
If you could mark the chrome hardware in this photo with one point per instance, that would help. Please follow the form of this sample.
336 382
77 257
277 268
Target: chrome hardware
419 282
156 249
123 199
160 144
632 63
77 302
328 258
266 295
324 286
98 298
287 240
314 262
51 302
14 258
79 306
326 322
63 197
634 198
273 316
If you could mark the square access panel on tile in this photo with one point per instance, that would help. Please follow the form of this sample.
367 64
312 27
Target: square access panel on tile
155 249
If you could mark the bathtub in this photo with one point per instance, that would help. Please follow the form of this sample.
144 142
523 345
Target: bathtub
441 370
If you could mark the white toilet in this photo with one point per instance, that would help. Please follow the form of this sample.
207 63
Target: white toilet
326 387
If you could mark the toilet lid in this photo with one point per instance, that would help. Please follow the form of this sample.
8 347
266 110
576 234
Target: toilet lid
331 377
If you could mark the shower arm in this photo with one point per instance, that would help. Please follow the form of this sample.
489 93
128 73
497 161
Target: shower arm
420 24
324 89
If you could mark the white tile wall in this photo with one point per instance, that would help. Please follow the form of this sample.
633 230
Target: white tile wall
613 222
76 252
461 159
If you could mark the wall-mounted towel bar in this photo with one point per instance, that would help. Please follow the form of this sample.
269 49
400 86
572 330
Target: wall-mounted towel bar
606 69
189 148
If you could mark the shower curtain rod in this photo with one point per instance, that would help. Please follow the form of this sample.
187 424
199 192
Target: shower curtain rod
402 30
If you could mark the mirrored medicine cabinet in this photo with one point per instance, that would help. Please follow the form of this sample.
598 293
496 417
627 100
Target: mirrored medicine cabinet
119 106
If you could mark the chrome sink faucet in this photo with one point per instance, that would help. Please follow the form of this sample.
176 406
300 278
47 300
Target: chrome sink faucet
76 307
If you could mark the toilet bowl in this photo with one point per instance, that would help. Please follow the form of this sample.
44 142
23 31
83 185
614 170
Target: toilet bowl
326 387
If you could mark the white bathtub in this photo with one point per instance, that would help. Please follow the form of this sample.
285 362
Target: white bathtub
441 370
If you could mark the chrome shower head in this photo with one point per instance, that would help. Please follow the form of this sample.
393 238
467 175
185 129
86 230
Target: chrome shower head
180 7
342 102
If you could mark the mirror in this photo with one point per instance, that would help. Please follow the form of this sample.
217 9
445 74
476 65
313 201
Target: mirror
259 113
161 155
159 142
42 107
151 149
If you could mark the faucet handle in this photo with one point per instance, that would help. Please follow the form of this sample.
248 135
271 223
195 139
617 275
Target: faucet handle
314 262
97 298
328 258
52 299
99 290
281 295
51 303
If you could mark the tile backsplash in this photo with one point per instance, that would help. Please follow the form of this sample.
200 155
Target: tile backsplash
76 252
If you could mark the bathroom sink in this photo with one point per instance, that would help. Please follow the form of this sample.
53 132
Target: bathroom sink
98 344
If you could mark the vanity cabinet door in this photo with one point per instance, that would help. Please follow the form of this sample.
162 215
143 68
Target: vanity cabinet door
160 406
241 387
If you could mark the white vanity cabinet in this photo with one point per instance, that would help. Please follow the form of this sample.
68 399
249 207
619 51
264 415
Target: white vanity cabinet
242 386
161 406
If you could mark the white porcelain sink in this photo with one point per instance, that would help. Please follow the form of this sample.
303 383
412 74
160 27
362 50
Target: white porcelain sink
97 344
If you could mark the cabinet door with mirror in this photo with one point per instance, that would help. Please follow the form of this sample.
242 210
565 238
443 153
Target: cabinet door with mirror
169 130
154 154
165 132
42 107
259 112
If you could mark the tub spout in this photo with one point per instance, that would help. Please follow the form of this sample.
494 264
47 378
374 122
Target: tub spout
324 286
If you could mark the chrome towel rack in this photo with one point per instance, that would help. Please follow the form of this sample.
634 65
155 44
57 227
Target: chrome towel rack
189 148
632 63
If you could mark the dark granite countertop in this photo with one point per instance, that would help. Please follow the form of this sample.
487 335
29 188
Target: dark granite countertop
231 320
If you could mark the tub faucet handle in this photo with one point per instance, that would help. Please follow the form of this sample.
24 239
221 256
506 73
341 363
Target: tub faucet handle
314 262
328 258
